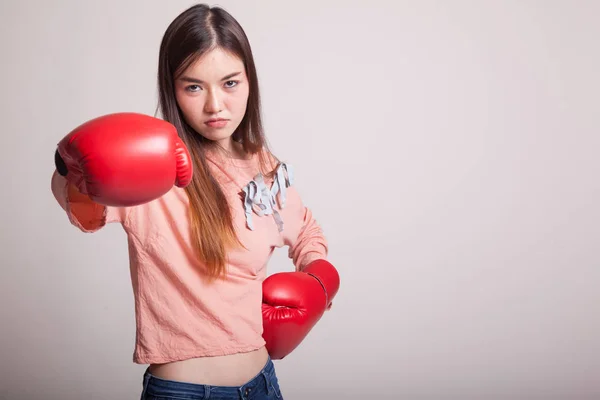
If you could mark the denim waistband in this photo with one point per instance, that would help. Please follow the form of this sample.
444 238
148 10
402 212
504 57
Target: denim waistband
154 385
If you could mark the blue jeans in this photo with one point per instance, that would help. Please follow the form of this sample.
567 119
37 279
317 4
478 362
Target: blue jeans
263 386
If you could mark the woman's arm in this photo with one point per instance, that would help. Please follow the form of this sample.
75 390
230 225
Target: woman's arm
307 242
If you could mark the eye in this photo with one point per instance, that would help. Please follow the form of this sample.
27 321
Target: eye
193 88
230 84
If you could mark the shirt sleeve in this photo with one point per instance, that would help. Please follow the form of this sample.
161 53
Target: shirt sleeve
82 212
302 233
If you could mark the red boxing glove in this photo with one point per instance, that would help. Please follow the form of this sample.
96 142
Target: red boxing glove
293 302
124 159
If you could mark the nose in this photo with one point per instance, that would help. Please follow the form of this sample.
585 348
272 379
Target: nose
213 104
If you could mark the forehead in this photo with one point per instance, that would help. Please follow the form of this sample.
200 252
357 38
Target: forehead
214 64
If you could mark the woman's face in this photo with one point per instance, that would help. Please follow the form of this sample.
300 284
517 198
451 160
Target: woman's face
213 95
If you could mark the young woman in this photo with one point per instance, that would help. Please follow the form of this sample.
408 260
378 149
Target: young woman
204 204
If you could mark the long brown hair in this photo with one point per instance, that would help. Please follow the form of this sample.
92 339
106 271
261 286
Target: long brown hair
195 31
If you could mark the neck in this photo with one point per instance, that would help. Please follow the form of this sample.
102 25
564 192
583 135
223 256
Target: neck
231 149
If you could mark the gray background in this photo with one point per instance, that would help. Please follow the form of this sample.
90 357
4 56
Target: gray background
447 148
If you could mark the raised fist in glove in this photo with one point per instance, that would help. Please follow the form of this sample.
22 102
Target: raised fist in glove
124 159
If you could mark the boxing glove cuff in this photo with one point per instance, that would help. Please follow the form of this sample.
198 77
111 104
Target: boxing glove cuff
326 274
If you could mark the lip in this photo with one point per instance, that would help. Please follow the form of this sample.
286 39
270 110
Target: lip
216 122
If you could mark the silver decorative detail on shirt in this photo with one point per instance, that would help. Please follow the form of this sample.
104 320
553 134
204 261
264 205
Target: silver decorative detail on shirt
262 201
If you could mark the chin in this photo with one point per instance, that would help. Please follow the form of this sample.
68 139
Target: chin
216 137
214 134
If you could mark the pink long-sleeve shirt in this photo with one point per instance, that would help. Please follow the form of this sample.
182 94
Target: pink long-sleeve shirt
179 314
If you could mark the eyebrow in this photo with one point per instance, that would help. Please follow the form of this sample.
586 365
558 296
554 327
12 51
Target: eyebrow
194 80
